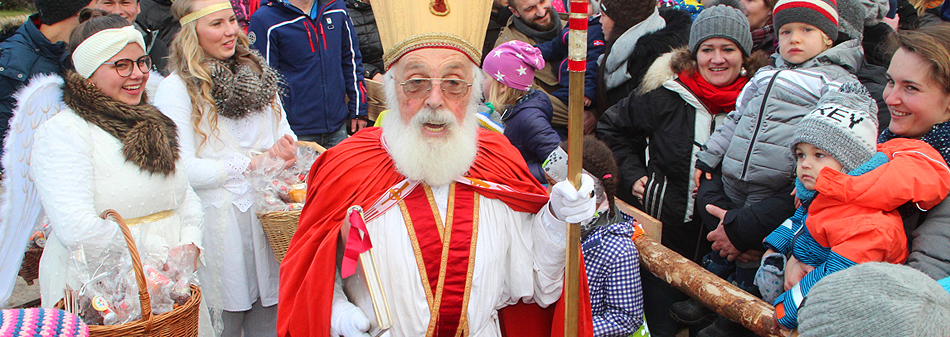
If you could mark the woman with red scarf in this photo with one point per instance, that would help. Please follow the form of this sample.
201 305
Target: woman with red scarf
656 131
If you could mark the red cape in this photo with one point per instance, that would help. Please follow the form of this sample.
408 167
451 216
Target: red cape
356 172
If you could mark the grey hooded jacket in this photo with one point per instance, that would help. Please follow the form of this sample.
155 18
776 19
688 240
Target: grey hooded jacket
752 145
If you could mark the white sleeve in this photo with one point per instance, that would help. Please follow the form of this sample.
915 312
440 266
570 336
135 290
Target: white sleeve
549 255
173 100
192 219
63 173
536 262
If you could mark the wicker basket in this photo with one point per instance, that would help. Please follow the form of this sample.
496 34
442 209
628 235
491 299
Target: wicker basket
279 227
30 268
181 321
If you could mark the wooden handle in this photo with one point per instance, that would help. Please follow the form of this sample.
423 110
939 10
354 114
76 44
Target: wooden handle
312 145
144 299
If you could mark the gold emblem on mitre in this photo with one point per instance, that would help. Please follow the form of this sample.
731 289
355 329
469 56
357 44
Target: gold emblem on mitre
407 25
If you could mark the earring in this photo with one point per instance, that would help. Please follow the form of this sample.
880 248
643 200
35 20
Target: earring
743 72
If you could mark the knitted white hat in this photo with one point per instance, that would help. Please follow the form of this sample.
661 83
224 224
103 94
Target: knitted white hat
102 46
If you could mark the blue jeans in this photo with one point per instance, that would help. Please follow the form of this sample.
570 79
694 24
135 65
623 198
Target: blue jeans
327 140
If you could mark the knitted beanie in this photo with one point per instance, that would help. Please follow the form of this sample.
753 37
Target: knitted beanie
41 322
822 14
844 125
513 64
851 15
627 13
721 21
876 299
53 11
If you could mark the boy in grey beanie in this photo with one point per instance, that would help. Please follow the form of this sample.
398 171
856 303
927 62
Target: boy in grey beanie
876 299
849 189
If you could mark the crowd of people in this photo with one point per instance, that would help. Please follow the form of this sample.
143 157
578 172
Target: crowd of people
795 148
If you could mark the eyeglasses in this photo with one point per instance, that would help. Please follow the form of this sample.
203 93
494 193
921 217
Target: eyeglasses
451 88
123 67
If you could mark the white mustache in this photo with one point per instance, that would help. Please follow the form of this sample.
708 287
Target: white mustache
433 116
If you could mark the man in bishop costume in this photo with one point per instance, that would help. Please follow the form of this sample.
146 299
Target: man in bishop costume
463 236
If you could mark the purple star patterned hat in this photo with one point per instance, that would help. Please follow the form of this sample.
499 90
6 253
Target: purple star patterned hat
513 64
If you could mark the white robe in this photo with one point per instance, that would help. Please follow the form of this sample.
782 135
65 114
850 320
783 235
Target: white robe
79 171
241 267
515 259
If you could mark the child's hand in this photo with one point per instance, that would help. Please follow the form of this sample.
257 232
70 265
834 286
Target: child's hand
794 272
778 328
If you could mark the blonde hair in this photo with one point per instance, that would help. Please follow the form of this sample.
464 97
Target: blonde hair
501 99
187 58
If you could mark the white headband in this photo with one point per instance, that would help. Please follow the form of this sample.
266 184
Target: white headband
102 46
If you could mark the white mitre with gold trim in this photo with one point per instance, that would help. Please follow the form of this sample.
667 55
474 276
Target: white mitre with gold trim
407 25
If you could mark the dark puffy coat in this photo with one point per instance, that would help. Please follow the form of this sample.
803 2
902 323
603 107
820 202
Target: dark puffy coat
874 78
676 124
648 48
556 51
361 13
156 48
156 18
528 128
25 54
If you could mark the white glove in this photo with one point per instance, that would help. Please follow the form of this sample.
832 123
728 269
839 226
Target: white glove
573 206
349 322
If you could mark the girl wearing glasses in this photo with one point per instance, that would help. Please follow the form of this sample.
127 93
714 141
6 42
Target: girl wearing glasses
225 100
110 149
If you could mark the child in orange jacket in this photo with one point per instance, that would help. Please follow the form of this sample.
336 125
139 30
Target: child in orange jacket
849 189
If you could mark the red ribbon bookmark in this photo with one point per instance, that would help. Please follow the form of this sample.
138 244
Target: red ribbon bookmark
357 241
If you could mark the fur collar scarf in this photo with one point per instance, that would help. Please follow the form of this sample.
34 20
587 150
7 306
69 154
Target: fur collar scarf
615 64
149 138
243 84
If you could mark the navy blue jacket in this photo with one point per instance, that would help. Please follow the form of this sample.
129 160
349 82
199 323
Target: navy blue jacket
556 51
319 57
528 128
24 54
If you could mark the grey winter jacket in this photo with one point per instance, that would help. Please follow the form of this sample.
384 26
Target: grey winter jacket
753 143
929 251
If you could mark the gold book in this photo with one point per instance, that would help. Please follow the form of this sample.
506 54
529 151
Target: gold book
364 288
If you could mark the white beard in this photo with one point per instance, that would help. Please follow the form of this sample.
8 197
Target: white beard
436 161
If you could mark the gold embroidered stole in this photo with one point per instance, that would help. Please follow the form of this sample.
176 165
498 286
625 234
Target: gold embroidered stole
445 253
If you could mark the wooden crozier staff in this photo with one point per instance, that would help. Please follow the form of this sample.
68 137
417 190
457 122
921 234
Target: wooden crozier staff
576 65
697 282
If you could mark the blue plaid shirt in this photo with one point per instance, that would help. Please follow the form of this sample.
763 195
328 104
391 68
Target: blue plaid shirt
613 277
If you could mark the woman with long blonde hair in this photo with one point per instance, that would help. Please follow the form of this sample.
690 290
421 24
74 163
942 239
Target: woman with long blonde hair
225 101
